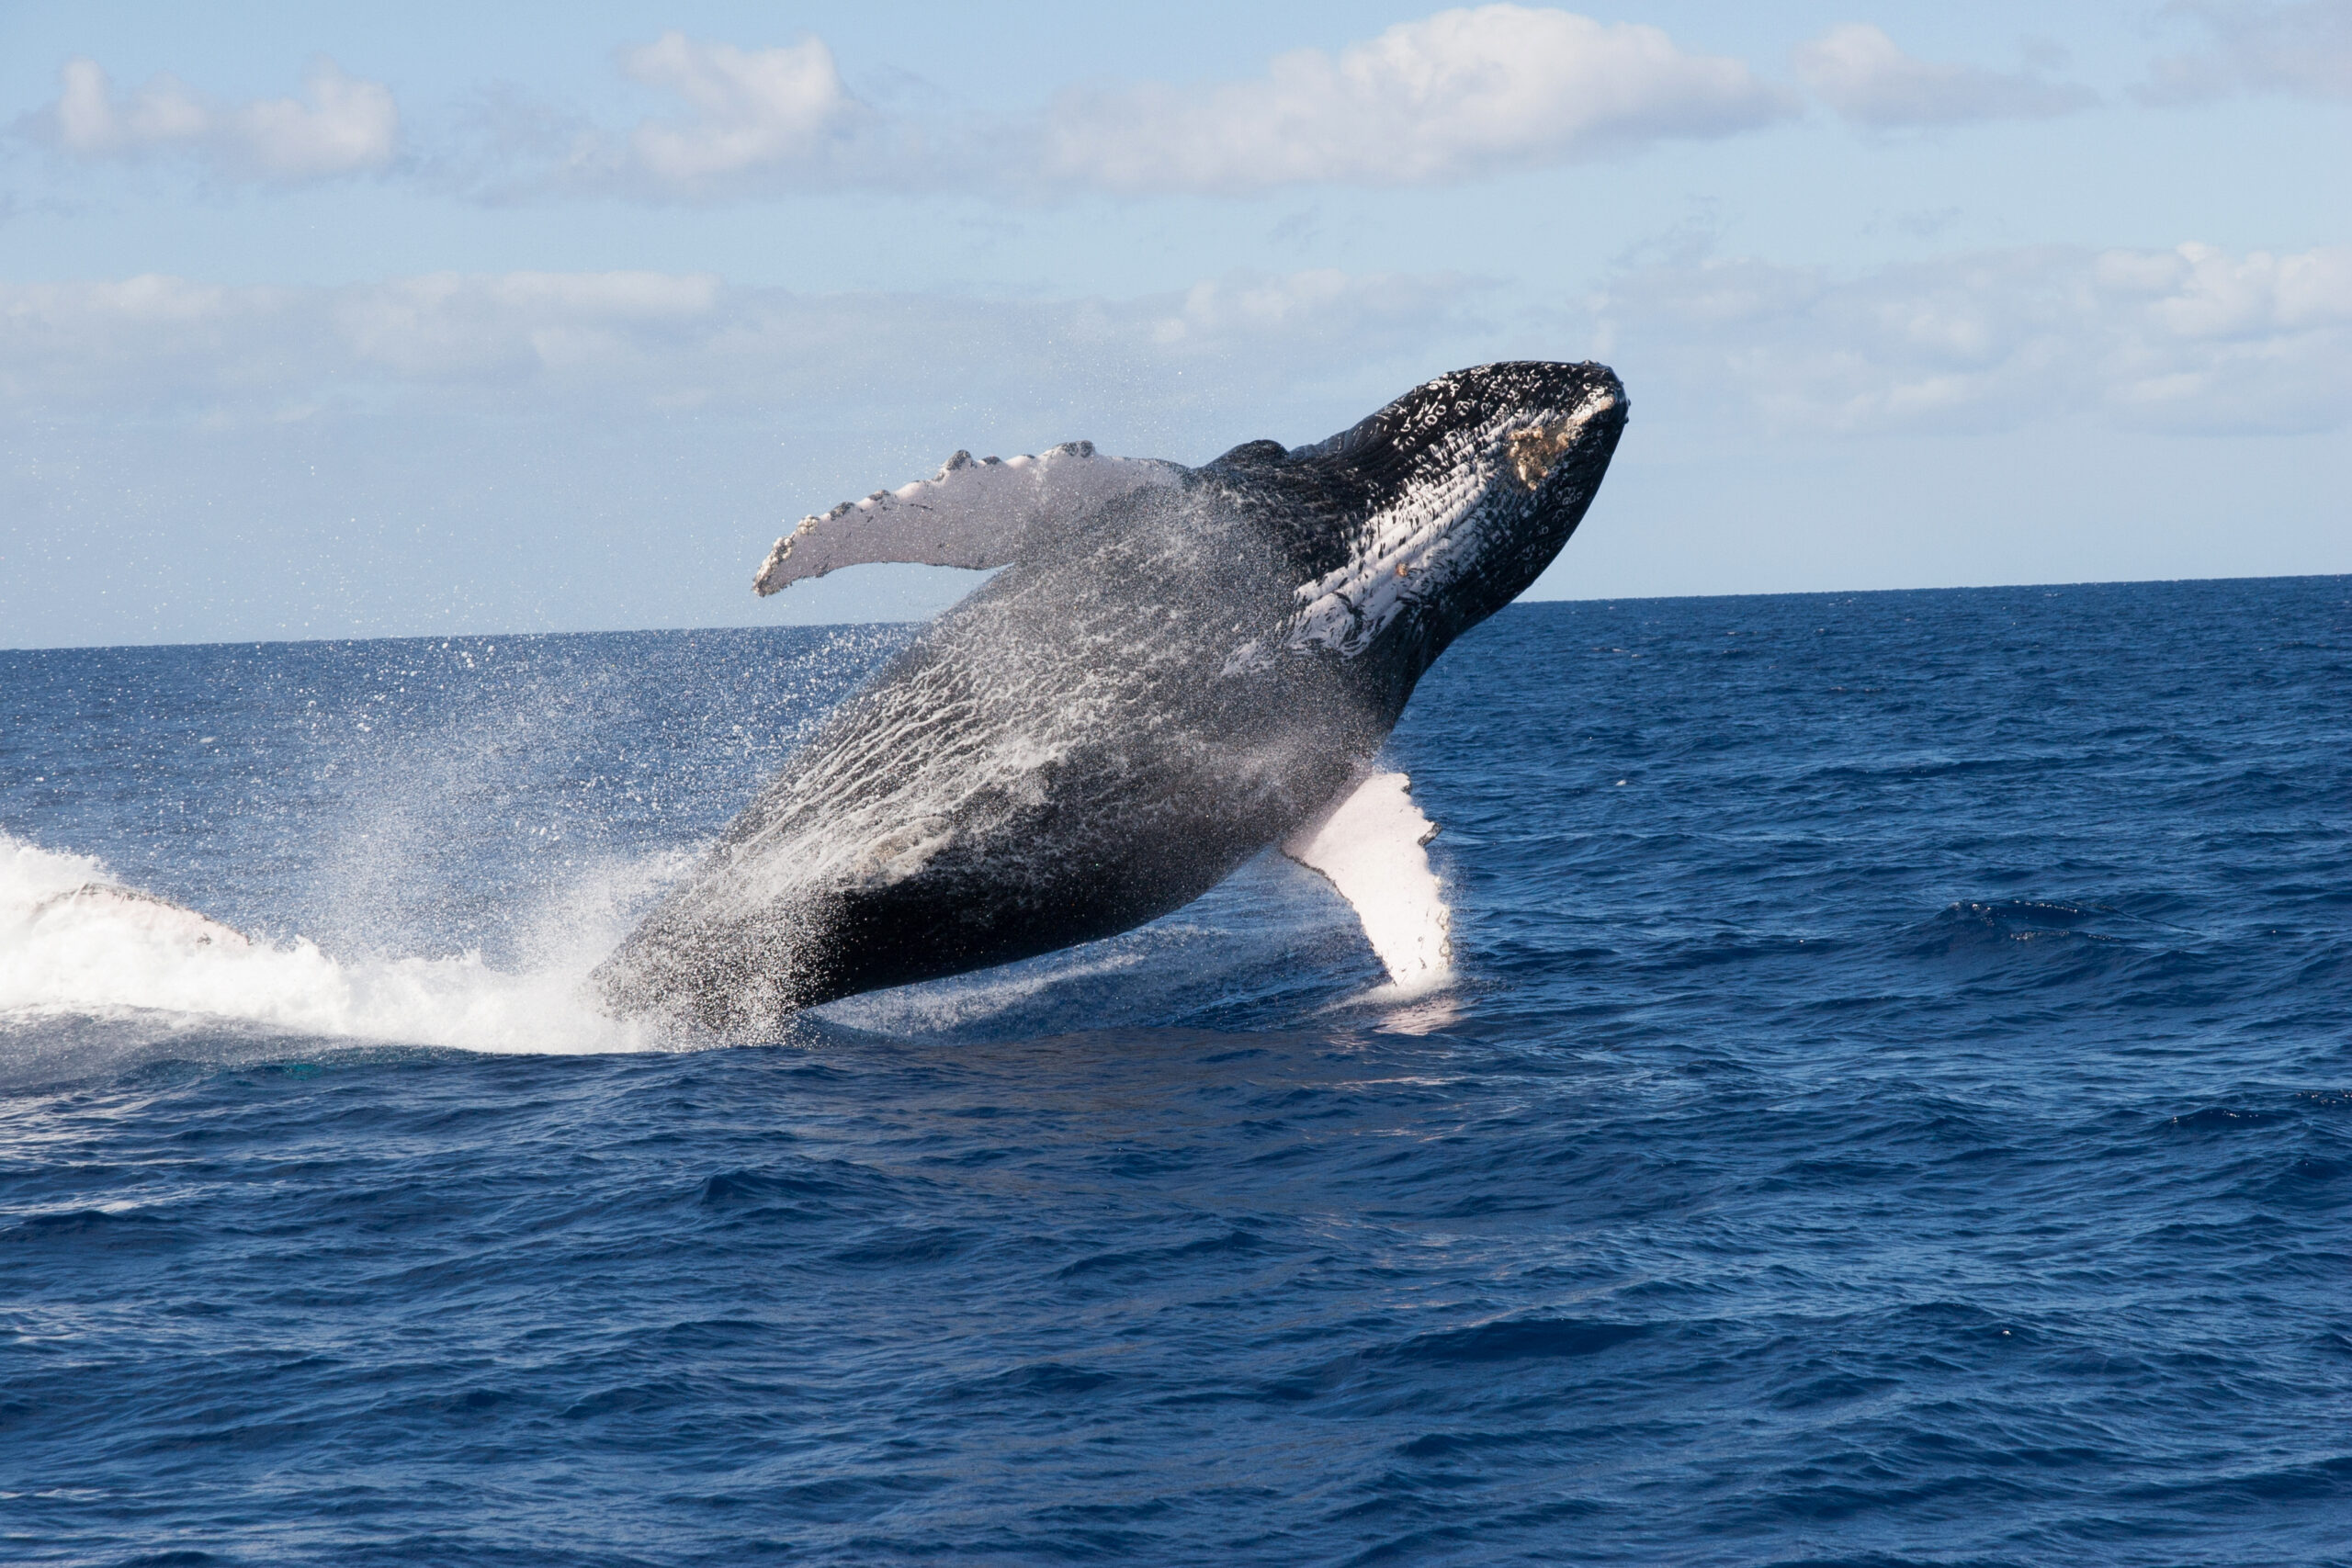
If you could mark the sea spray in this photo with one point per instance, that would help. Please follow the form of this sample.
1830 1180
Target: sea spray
77 943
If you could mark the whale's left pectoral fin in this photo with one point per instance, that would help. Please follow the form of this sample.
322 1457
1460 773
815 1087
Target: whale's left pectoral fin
1373 848
971 513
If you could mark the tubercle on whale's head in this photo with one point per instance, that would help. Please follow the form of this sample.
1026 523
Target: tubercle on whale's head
1467 487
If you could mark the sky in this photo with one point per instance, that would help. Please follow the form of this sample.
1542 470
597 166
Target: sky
344 322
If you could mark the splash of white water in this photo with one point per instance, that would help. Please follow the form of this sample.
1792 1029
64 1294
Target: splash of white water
77 946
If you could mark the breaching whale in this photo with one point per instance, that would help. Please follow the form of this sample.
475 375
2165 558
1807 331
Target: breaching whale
1176 667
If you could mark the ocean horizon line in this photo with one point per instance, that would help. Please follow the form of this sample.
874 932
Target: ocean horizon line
852 626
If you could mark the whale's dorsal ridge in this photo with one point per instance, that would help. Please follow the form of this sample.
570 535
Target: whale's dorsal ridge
973 513
1253 452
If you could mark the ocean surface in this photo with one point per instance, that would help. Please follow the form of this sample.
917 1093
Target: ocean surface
1896 1109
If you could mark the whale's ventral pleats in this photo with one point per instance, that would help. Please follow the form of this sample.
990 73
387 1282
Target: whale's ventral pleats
1176 668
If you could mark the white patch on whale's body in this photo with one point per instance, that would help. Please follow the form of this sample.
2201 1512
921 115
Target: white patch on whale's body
1372 847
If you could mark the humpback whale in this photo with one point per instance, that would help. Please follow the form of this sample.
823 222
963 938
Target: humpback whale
1177 667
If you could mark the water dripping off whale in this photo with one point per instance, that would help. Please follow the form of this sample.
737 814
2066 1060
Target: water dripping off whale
1176 668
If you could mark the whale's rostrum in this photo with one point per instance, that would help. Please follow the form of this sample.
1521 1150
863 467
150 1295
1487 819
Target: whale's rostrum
1175 669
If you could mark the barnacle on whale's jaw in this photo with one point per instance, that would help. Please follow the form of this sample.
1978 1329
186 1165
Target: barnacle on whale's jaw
1536 449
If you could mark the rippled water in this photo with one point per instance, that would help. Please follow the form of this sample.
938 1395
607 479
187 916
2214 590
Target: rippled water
1898 1110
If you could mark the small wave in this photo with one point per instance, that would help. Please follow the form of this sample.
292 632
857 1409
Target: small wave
1519 1339
89 966
1993 929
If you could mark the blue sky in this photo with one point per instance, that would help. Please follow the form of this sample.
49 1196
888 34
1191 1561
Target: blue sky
521 318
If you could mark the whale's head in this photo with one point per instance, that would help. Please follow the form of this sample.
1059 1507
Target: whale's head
1449 502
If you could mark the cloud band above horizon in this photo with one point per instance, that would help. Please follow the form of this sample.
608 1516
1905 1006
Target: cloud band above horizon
1459 97
2193 338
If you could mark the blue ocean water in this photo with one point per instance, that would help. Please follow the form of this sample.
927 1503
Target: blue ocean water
1897 1108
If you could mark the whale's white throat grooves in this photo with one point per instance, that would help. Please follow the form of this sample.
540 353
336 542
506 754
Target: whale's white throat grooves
1407 549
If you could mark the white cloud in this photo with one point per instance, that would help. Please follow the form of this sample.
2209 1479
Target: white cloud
520 324
753 122
2303 49
1322 307
162 347
2195 339
128 344
1861 72
346 125
1462 94
754 109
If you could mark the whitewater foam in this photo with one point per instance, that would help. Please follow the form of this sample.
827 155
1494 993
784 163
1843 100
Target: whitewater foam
77 944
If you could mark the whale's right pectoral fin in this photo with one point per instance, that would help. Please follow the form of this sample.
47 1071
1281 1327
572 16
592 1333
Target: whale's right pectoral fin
971 513
1373 848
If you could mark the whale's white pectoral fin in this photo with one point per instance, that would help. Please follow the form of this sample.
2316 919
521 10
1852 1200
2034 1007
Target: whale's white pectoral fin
1372 847
971 513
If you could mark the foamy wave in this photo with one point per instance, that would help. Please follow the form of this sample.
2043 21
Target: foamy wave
75 945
